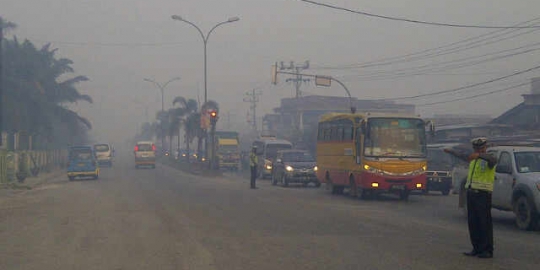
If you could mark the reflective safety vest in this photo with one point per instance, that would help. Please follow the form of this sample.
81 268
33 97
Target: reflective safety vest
253 160
480 177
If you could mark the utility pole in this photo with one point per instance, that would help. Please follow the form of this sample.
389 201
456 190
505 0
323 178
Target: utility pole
298 80
1 88
253 98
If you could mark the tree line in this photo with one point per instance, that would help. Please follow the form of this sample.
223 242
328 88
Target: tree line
182 120
37 92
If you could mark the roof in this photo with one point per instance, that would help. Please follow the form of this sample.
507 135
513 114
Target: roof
517 148
338 103
466 126
443 145
145 142
335 115
81 147
293 151
277 141
228 141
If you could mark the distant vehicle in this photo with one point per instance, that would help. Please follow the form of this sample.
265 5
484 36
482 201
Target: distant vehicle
517 184
145 154
104 153
372 153
227 146
267 149
181 154
294 166
82 162
439 169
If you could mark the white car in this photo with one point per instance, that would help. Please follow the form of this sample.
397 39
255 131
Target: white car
517 184
145 154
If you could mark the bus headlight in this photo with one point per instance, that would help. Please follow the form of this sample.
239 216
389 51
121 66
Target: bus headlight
315 168
289 168
372 169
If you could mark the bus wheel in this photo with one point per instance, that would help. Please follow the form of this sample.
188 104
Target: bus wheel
353 190
365 194
404 195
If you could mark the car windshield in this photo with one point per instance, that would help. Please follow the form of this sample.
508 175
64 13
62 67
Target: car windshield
271 149
81 154
395 137
145 147
298 157
101 148
527 162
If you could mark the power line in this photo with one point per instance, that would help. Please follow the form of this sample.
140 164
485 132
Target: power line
469 43
414 21
448 65
467 86
475 96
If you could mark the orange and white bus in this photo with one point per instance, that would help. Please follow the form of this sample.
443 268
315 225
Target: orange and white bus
372 153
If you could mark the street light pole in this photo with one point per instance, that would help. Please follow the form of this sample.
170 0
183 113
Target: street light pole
205 45
161 88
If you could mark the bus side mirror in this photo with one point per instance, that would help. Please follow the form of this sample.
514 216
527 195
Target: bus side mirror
431 127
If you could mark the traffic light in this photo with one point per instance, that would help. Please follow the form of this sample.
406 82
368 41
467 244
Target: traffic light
213 117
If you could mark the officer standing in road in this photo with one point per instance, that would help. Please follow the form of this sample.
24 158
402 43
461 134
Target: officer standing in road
253 162
479 187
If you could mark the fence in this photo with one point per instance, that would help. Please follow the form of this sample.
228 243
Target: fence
20 164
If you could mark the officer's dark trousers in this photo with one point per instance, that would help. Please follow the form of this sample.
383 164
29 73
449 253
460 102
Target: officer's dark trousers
479 217
253 175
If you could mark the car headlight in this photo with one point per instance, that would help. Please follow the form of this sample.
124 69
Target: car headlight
315 168
268 167
289 168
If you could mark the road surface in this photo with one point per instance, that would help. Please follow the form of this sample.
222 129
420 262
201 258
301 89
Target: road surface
166 219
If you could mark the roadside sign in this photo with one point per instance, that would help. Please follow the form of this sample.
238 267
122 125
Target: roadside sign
274 74
323 81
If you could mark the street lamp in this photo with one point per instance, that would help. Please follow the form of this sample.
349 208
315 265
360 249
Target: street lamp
162 87
205 43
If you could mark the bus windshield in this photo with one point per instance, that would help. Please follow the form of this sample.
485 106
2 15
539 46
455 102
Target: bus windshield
228 149
395 137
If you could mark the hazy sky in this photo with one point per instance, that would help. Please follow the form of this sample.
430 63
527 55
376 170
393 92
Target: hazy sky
118 43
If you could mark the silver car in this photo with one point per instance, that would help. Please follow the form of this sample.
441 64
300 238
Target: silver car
517 184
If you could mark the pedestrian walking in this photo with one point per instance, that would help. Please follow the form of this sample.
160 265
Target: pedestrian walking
253 162
479 187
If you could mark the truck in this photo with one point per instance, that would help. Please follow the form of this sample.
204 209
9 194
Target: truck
227 147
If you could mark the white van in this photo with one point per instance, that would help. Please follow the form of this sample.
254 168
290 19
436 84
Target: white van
104 154
267 149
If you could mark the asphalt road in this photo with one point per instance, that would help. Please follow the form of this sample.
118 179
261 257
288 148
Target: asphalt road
165 219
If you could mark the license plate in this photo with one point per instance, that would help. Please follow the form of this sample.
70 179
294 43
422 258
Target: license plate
398 187
81 164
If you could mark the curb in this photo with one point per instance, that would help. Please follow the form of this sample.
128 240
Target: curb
33 182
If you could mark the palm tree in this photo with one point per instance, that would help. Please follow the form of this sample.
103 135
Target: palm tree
37 99
4 26
181 115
